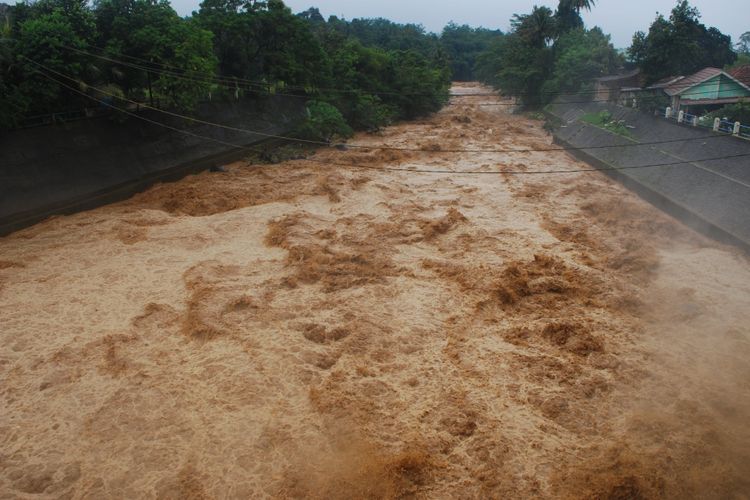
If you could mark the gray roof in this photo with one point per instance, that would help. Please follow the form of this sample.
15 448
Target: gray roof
621 76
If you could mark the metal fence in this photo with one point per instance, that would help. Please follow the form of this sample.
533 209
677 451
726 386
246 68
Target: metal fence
39 120
734 128
79 114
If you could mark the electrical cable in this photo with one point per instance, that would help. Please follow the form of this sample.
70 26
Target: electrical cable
233 83
400 169
540 172
362 146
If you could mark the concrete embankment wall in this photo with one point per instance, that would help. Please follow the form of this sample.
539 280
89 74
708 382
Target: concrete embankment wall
711 196
69 167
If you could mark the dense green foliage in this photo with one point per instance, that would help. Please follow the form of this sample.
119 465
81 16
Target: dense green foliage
153 32
516 66
463 45
388 35
369 72
581 56
743 52
324 122
263 41
547 53
60 37
679 45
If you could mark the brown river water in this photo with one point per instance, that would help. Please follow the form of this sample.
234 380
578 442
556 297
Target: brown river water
304 330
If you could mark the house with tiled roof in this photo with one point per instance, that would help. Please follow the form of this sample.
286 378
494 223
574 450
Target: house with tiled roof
708 88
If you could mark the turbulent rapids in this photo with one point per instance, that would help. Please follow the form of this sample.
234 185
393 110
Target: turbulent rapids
309 330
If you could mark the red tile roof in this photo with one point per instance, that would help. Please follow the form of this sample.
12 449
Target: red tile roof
742 74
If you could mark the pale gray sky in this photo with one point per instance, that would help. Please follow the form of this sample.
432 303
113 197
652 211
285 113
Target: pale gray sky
617 17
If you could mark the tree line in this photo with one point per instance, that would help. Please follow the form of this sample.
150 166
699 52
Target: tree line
359 74
680 45
548 52
551 52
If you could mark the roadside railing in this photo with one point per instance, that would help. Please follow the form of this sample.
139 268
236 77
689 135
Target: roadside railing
718 125
49 119
79 114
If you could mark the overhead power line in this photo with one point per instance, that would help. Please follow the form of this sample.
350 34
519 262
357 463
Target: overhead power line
538 172
233 83
170 113
364 146
240 83
397 169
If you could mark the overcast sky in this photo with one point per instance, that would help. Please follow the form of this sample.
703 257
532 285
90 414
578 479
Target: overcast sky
617 17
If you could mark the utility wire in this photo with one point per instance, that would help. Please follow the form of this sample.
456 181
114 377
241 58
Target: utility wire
540 172
228 82
239 83
399 169
364 146
234 82
678 84
170 113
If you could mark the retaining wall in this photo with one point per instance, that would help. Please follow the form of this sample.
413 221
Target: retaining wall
66 168
711 196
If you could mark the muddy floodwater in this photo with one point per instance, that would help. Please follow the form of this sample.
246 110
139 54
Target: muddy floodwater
307 330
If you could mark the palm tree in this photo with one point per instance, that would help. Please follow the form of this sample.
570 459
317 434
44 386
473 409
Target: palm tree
536 28
579 5
568 14
743 46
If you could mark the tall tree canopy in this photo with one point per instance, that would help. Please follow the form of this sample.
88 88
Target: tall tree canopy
568 15
537 28
141 50
462 45
581 56
150 33
743 45
547 54
263 41
680 45
743 51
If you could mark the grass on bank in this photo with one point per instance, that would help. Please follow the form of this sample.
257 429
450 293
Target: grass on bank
604 120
